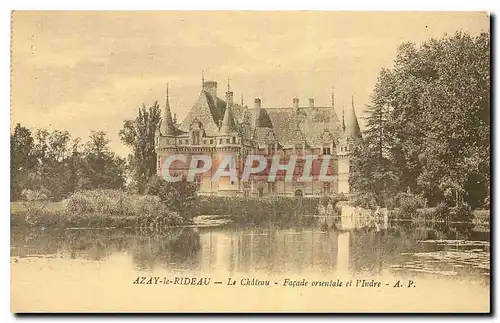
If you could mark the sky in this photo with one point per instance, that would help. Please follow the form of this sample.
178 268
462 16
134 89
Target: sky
82 71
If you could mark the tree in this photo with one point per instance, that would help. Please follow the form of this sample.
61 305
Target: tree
52 154
139 135
100 167
22 161
429 122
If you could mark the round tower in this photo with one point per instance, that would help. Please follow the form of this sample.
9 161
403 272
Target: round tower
228 148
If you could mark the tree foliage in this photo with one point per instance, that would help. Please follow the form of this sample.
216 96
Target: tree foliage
100 167
22 159
178 196
56 164
429 123
139 135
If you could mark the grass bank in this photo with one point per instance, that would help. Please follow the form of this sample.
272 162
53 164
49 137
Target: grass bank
96 208
111 208
270 209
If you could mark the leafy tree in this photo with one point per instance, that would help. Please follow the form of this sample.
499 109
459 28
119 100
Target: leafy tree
429 123
22 161
52 154
139 135
100 167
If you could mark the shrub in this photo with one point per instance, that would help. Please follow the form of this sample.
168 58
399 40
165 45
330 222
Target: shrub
408 204
365 200
278 209
148 205
390 202
481 217
116 203
461 213
442 212
179 196
112 202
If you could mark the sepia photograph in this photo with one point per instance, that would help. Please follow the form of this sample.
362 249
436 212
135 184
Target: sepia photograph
250 162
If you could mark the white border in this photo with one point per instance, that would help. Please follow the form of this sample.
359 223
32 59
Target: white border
7 6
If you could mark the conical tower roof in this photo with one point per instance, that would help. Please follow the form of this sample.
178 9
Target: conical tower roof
228 122
167 125
352 129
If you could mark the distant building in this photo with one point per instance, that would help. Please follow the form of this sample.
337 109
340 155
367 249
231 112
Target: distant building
217 127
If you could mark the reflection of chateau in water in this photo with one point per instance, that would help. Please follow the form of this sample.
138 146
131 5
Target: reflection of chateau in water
277 251
240 250
295 251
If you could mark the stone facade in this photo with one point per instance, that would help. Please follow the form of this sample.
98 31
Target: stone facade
216 128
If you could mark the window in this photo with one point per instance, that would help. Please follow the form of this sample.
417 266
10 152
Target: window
228 141
220 141
195 137
326 151
270 148
234 140
232 163
326 187
211 141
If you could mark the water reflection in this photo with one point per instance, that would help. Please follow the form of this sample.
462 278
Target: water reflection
298 250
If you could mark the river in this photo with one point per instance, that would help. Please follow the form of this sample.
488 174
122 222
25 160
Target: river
93 270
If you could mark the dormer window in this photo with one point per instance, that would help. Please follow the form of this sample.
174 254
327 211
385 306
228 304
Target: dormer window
195 137
196 132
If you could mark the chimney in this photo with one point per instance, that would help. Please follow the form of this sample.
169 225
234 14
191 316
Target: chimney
229 98
296 104
257 112
311 103
229 94
211 88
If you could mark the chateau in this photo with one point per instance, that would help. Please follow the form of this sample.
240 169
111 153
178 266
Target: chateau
217 127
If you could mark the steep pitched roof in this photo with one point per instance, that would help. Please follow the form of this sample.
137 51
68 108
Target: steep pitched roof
264 119
352 130
264 136
239 113
314 125
168 128
206 110
321 125
285 126
228 124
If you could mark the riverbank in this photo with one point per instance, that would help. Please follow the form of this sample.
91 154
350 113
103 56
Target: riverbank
119 209
98 208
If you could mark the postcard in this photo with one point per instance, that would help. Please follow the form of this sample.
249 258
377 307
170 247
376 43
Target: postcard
250 162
